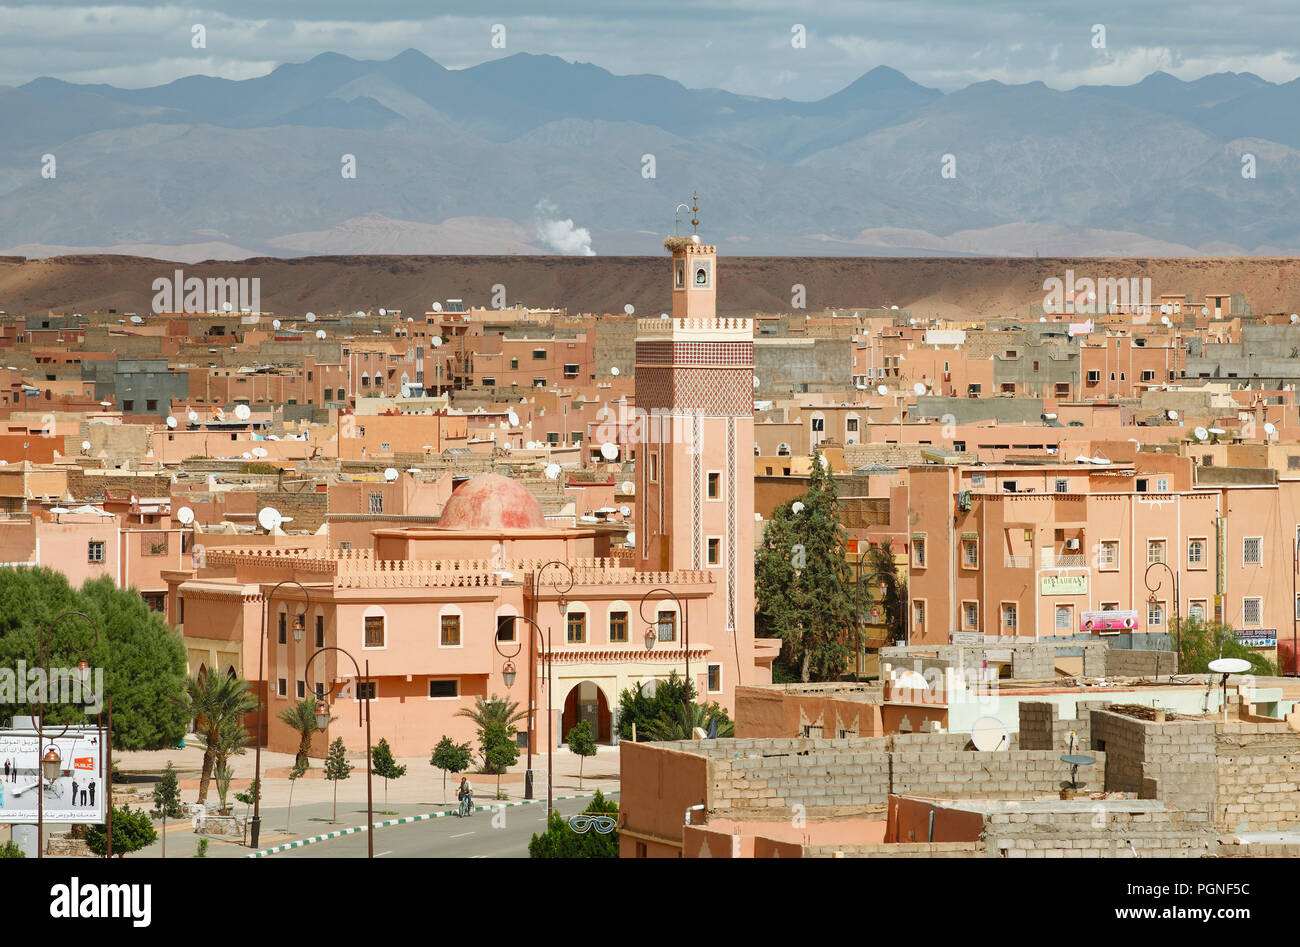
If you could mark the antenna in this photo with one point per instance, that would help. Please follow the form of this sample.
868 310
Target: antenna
185 515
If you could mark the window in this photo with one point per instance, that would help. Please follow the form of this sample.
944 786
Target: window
1155 614
1251 609
95 551
918 614
450 637
851 425
1110 554
1148 376
374 631
539 355
918 552
970 553
439 689
1008 486
1155 551
367 690
489 382
320 631
1094 377
1064 617
281 634
667 625
818 424
302 689
576 626
1009 616
128 405
715 678
977 480
1142 485
1062 485
570 368
505 628
282 687
713 551
714 486
151 404
1196 610
970 615
618 626
514 363
1251 551
1196 552
539 382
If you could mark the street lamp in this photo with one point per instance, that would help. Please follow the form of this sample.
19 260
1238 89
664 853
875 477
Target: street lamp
508 673
686 622
322 714
564 585
49 762
1153 589
255 826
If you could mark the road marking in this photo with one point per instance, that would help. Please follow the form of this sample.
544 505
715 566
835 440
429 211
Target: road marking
382 854
462 835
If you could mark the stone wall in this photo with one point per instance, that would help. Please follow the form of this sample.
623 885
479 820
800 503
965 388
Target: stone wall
1173 761
1124 662
1258 774
1029 661
898 850
1041 728
1099 834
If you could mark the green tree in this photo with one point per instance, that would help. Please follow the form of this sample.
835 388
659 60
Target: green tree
801 576
217 703
222 776
488 713
561 841
142 657
679 721
450 757
11 850
302 717
500 751
384 764
1205 641
167 800
295 774
582 743
878 569
132 831
337 768
671 713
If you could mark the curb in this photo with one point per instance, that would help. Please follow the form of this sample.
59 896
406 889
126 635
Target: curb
299 843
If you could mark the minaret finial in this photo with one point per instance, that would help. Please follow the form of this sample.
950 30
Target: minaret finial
695 212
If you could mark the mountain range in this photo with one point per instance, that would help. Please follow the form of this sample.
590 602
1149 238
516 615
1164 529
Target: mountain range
533 154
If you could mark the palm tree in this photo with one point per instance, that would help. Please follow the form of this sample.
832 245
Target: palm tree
214 699
679 720
494 710
302 717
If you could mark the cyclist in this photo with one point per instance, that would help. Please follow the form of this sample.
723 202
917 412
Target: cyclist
465 793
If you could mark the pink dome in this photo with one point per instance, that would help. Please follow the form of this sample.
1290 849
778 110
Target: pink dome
491 501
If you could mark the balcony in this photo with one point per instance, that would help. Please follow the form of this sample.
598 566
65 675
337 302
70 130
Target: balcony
1018 562
1073 560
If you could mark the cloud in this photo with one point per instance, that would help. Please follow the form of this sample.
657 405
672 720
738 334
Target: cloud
560 235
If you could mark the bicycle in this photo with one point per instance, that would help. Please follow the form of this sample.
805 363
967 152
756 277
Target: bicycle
466 806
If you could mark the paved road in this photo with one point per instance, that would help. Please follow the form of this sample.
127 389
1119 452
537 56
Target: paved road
448 837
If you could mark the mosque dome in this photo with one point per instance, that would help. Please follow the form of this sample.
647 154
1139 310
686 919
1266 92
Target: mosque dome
491 501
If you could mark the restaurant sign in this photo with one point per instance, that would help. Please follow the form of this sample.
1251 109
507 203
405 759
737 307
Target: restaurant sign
1064 584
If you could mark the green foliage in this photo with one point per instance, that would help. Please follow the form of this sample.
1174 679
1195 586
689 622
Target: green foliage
879 567
337 768
167 794
11 850
495 713
217 703
802 589
583 744
142 657
252 794
202 850
302 717
450 757
132 831
500 751
383 764
1203 642
254 467
222 776
561 841
671 713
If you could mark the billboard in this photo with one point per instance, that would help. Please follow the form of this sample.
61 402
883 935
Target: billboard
75 795
1115 620
1257 637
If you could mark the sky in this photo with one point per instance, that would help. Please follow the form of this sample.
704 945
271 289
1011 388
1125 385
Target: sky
744 46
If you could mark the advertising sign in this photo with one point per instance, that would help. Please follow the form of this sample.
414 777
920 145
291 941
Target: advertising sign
1116 620
1257 637
1064 584
76 794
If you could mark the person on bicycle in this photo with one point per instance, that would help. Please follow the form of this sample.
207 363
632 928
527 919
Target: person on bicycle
466 795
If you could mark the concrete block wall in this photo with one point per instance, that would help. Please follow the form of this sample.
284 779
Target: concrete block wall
1173 761
1258 774
898 850
1041 728
1030 661
1099 834
1125 662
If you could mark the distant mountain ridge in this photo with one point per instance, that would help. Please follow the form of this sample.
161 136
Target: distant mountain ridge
256 161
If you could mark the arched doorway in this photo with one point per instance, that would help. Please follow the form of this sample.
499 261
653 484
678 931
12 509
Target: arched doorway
586 701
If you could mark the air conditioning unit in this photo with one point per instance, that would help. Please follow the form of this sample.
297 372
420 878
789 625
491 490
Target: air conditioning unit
1071 544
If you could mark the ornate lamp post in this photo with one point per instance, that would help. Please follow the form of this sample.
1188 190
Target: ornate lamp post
681 610
1153 589
322 712
508 673
563 584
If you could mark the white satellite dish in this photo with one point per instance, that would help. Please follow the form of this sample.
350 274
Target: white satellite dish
171 421
625 510
629 487
531 445
268 517
275 323
1270 428
437 307
390 474
609 451
436 341
243 412
320 333
631 537
1164 307
882 390
512 417
552 471
989 734
919 388
796 506
911 680
629 309
137 320
246 455
260 452
85 445
383 312
193 415
614 371
1083 459
185 515
227 307
1295 318
311 317
1171 414
1166 320
1201 433
1229 665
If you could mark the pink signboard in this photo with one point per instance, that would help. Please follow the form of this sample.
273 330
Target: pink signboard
1108 622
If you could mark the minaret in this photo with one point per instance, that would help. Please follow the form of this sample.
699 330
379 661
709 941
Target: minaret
694 466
